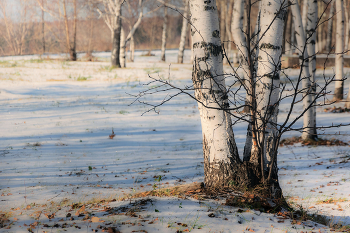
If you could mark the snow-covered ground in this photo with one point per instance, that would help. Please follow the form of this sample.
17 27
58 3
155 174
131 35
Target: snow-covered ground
56 118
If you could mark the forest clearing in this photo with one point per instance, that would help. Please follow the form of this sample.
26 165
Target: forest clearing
174 116
57 155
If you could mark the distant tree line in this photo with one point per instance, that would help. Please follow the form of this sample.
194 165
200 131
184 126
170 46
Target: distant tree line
41 26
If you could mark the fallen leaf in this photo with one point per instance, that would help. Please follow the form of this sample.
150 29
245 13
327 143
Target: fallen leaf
95 219
82 209
50 216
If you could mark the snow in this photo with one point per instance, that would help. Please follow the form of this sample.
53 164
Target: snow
56 120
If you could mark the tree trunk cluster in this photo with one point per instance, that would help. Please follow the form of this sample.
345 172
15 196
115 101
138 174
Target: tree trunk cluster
222 164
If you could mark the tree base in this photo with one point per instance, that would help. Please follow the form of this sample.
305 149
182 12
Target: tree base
241 177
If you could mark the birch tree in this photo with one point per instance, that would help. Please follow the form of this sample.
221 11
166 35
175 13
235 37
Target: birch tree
304 15
180 55
133 27
164 32
111 14
339 49
308 132
218 101
122 48
239 39
267 90
311 48
220 151
58 10
221 160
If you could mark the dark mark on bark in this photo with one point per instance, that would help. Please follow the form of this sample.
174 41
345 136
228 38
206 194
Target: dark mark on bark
269 46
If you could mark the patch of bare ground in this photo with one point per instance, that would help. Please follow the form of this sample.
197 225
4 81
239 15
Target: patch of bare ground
308 142
256 199
239 197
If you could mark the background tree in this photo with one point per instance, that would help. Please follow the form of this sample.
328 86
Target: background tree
339 50
308 132
164 33
16 32
111 12
330 28
58 9
180 56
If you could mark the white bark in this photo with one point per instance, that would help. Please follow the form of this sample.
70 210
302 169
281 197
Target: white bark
111 15
210 90
122 48
268 80
237 32
308 132
304 16
241 44
311 49
132 49
229 11
164 33
223 6
339 49
180 56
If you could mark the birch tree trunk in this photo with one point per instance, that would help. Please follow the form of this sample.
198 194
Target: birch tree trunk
164 34
219 147
122 48
180 56
311 50
223 6
73 48
308 132
264 152
339 49
241 45
330 28
228 29
115 62
132 49
305 12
